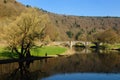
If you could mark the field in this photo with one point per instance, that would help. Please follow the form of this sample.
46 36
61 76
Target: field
49 50
36 51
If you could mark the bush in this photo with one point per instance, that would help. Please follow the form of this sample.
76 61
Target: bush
5 1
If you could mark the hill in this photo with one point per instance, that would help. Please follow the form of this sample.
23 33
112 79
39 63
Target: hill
10 8
63 26
81 25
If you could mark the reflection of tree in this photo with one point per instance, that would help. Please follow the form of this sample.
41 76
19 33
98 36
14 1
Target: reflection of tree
85 63
23 73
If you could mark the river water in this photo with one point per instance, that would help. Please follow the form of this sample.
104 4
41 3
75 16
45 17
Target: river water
84 76
90 65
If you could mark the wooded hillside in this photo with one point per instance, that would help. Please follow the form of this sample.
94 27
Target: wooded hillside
62 27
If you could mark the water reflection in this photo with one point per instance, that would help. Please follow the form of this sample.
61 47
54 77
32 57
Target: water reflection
107 62
27 70
22 72
85 63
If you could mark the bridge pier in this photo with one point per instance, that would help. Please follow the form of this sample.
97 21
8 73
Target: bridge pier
71 44
86 44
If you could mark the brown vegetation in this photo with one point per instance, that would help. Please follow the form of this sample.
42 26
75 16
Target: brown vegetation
10 8
22 32
82 28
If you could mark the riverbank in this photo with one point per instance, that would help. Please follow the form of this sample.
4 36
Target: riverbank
35 51
30 59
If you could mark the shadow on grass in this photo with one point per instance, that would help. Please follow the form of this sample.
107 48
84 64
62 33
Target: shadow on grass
8 55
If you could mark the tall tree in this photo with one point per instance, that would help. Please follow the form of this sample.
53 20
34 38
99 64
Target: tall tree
69 34
24 30
107 36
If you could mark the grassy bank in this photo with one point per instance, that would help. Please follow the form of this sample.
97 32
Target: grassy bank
110 46
36 51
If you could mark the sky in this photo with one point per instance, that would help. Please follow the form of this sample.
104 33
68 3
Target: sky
78 7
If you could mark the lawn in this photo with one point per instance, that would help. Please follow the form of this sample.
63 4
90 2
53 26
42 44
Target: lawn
36 51
6 54
50 50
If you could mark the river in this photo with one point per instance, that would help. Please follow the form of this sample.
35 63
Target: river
91 65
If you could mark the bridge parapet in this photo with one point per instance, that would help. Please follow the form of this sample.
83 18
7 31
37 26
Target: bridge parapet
71 43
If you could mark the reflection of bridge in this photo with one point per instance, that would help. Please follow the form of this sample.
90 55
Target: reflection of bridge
71 43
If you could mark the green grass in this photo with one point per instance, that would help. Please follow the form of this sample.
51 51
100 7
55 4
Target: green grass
50 50
37 51
111 46
6 54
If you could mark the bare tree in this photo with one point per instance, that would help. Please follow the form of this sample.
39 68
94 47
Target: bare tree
21 33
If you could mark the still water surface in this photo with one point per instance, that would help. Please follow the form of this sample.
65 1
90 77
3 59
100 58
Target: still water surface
84 76
90 66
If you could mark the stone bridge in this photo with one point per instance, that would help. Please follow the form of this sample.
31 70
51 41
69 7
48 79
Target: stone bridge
71 43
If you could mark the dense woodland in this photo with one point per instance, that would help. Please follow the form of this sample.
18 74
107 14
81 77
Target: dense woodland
25 31
64 27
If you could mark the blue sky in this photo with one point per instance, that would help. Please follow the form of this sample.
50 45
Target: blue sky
78 7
